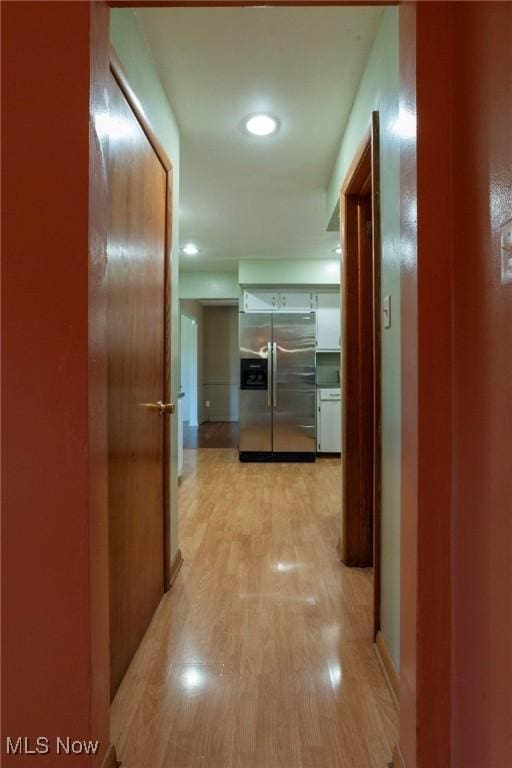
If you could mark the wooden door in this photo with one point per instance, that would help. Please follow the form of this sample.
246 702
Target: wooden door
138 245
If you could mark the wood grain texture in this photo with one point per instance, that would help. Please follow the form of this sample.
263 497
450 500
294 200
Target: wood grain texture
137 243
358 364
121 78
362 412
211 434
398 760
110 760
261 655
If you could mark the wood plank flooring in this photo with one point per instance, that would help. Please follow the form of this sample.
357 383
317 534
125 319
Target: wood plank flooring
260 656
211 434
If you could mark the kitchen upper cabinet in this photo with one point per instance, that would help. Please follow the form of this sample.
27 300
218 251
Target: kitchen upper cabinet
261 301
328 322
279 301
293 301
328 432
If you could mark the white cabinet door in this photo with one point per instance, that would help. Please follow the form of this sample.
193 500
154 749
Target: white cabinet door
261 301
328 321
329 421
295 301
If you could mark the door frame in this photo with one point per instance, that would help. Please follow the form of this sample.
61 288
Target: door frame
425 160
117 70
362 461
193 321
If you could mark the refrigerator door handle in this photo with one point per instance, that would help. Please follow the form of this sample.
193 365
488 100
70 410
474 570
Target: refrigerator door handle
274 373
269 377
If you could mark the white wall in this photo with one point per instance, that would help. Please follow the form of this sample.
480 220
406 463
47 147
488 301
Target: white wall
292 272
209 285
131 48
221 363
378 90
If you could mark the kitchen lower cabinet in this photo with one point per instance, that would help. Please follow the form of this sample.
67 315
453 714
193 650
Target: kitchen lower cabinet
328 430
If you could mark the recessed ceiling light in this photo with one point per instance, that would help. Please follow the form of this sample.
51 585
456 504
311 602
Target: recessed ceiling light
260 124
190 249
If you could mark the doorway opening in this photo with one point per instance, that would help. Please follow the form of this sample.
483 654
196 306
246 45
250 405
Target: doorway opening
209 375
189 370
262 595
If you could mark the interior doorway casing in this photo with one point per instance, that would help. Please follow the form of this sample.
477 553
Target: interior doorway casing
361 302
426 159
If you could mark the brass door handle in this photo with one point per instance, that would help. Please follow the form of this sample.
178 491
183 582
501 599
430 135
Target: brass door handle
159 406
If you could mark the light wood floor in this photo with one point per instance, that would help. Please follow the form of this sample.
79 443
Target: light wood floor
211 434
260 656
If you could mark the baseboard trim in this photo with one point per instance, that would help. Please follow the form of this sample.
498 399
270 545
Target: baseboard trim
175 567
398 759
387 666
110 760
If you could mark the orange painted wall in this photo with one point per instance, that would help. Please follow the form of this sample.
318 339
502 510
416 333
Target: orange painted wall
482 522
457 379
54 630
426 245
456 668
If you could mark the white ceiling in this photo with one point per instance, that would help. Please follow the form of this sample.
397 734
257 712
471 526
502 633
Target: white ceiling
243 196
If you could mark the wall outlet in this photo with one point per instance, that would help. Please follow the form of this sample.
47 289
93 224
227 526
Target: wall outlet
207 403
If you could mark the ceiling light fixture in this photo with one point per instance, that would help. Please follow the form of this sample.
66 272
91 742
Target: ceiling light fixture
260 124
190 249
338 250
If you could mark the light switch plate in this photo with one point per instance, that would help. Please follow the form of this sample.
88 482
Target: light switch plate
386 311
506 252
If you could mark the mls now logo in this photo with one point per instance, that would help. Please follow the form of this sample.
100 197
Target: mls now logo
69 746
24 745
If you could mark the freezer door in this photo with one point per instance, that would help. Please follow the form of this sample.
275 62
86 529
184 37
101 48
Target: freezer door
294 394
255 404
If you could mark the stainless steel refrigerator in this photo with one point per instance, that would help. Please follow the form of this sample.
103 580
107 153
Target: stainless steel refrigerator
277 386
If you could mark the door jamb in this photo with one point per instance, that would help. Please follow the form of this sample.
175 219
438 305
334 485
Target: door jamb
368 151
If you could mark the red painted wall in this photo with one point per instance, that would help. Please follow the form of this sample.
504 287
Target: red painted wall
482 521
455 70
426 244
456 695
54 630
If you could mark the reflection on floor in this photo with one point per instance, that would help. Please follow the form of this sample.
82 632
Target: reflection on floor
260 656
211 434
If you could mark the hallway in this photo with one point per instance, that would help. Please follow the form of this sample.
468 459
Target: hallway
260 655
